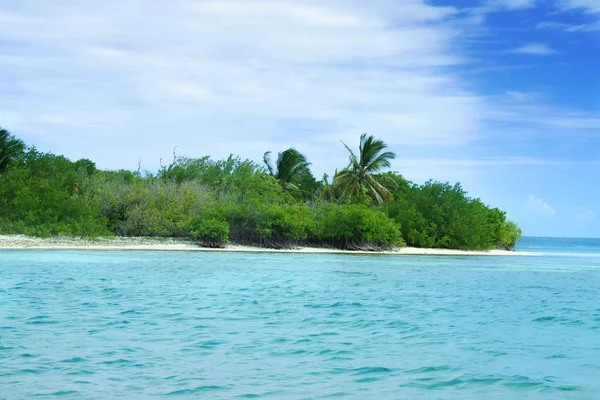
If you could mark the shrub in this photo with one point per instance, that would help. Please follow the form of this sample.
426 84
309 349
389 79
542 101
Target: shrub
211 231
356 227
283 226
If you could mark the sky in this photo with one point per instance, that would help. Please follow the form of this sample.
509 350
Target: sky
500 95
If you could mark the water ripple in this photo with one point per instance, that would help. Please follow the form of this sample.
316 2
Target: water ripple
95 325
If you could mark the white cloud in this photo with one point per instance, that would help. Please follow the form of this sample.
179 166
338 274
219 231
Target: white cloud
155 76
551 25
537 49
538 207
117 81
495 5
591 27
591 6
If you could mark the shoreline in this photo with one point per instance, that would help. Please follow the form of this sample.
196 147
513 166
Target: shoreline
21 242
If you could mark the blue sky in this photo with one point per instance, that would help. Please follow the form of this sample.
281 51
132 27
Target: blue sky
501 95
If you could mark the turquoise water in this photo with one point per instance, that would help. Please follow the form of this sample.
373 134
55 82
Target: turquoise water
567 246
137 325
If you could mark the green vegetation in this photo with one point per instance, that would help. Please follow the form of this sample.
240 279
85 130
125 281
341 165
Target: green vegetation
360 181
235 200
10 148
289 169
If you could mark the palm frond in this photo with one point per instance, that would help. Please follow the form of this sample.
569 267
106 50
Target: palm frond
360 180
268 162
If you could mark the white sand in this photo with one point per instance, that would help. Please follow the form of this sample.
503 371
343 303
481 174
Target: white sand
24 242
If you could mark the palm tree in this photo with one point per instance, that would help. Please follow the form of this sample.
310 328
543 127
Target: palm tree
288 168
360 180
10 148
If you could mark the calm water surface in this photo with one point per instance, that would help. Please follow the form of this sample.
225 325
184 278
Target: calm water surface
137 325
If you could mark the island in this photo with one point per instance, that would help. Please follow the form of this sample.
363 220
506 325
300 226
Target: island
238 203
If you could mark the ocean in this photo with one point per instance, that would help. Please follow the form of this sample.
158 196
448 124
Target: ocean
142 324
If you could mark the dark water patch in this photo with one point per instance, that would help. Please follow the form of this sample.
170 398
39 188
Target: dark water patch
567 388
199 389
484 381
545 319
335 395
74 360
556 357
372 370
209 344
121 322
431 383
130 312
339 358
58 393
575 322
324 334
429 369
369 379
81 372
119 361
31 371
522 382
41 320
343 304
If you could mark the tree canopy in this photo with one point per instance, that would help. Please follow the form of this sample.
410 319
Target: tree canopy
360 179
10 149
216 201
288 169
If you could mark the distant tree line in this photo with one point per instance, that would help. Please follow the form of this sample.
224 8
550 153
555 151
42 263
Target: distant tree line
278 205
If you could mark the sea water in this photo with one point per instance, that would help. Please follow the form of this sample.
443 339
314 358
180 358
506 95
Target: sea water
137 325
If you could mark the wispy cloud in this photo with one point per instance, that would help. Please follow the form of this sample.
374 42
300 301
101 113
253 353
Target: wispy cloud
198 70
539 208
509 4
533 48
591 6
591 27
116 81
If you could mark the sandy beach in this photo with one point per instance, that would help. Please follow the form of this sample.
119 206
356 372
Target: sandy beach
167 244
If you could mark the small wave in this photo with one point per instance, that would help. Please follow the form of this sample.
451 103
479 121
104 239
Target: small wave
81 372
59 393
199 389
544 319
120 361
74 360
130 312
522 382
427 370
324 334
209 344
334 395
372 370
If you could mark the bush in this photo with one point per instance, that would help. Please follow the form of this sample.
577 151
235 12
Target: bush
211 231
283 226
355 227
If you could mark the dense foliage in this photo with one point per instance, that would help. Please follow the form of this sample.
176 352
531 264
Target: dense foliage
217 201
